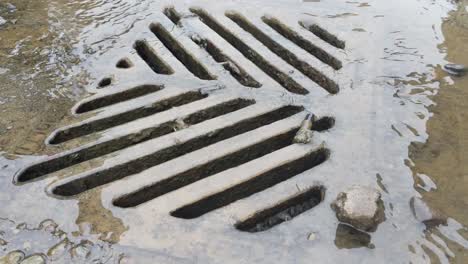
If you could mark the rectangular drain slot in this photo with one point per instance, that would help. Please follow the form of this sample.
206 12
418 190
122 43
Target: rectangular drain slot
283 79
117 98
148 55
215 166
122 118
285 54
172 14
98 178
187 59
284 211
306 45
94 151
228 64
252 186
324 35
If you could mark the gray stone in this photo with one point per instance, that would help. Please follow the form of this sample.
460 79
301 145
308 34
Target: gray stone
361 207
304 134
426 215
455 69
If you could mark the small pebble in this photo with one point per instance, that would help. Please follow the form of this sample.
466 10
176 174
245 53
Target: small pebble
312 236
304 134
34 259
455 67
2 21
14 257
11 7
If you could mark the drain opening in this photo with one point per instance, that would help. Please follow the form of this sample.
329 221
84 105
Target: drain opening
211 168
284 211
187 59
122 118
285 54
308 46
228 64
98 178
104 82
324 35
173 15
148 55
117 98
324 123
75 157
124 63
252 186
283 79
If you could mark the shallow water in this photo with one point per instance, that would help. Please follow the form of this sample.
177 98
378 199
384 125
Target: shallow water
406 130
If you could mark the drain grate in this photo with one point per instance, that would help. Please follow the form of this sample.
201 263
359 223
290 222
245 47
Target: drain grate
152 124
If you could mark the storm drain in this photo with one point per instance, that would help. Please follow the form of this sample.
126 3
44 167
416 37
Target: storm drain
151 124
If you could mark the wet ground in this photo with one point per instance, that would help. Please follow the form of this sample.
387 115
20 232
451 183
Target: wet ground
53 51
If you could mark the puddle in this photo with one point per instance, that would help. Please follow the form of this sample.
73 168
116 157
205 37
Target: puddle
399 124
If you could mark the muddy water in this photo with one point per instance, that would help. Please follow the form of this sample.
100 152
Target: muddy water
441 164
52 51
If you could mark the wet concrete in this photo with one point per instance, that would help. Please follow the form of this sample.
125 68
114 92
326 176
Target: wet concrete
53 52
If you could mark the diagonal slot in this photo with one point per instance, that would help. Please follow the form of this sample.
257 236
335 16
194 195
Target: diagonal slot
173 15
101 177
208 169
283 79
125 117
324 35
252 186
228 64
149 55
308 46
285 54
187 59
283 211
117 98
83 154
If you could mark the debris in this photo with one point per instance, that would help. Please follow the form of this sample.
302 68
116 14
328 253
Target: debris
2 21
455 69
304 135
361 207
312 236
426 215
